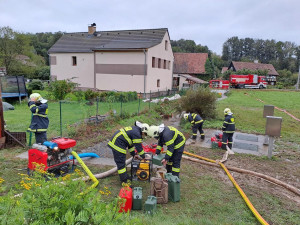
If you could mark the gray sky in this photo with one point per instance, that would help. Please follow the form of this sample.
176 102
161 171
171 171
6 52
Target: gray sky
207 22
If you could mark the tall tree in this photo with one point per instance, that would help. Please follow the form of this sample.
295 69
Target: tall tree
9 47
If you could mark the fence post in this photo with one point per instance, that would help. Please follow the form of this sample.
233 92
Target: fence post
60 118
121 103
139 104
30 133
149 99
97 99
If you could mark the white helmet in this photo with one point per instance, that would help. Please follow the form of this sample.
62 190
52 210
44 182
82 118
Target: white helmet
186 115
144 126
37 97
153 131
226 111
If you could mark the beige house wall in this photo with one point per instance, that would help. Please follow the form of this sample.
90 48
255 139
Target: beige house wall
83 72
154 74
121 71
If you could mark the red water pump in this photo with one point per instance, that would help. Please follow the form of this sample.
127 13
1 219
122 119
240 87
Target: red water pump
53 156
216 141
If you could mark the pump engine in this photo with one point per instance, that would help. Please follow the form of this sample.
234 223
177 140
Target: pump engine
53 156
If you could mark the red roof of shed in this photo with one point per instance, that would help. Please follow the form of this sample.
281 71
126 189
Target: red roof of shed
190 63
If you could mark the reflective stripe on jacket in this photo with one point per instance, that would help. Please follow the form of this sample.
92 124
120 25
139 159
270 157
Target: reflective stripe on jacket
172 138
128 137
195 118
228 124
40 121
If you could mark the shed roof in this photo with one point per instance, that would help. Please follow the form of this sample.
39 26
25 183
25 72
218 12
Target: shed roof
195 79
190 63
254 66
109 40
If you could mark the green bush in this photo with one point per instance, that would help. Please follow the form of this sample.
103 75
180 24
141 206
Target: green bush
79 95
59 201
60 88
201 101
89 94
36 85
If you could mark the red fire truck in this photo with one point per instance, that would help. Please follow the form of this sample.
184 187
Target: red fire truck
247 81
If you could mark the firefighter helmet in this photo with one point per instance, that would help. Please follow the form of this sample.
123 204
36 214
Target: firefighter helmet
36 97
226 111
186 115
144 126
153 131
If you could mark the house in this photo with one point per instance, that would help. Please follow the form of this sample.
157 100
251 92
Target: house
186 68
121 60
272 73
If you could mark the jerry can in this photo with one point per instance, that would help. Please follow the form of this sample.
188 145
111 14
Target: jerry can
161 172
173 187
156 160
150 204
137 198
159 189
125 203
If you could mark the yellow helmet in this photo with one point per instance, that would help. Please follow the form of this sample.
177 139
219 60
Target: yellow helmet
144 126
226 111
153 131
186 115
36 97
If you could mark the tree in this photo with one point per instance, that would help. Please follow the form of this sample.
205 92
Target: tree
8 47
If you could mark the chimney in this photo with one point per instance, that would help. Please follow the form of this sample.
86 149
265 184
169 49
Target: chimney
92 28
255 61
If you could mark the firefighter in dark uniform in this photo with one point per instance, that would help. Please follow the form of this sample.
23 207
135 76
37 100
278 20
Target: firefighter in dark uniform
127 138
228 129
174 140
197 123
40 122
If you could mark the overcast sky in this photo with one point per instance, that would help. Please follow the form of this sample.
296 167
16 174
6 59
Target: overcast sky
207 22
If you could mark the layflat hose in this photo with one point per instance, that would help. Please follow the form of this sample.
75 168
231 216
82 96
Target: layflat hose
87 170
249 204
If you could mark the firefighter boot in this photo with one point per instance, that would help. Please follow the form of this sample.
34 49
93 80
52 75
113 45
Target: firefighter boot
202 137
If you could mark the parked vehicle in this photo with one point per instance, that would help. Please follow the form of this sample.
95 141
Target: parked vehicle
247 81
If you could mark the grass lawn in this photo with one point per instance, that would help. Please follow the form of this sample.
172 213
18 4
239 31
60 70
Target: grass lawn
18 120
248 111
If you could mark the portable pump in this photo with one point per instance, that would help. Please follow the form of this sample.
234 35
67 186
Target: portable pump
141 169
53 156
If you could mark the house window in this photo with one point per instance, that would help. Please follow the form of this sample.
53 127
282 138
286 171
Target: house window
74 60
166 45
169 65
159 63
158 83
153 62
165 64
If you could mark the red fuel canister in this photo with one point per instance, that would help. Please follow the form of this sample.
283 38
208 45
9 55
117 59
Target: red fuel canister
126 199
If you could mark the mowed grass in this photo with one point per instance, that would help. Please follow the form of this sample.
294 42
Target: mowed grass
18 120
248 111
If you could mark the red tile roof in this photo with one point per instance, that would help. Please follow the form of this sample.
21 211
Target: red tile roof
255 66
190 63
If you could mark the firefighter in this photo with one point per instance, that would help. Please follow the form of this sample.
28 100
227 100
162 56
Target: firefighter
127 138
228 129
174 140
40 122
197 123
